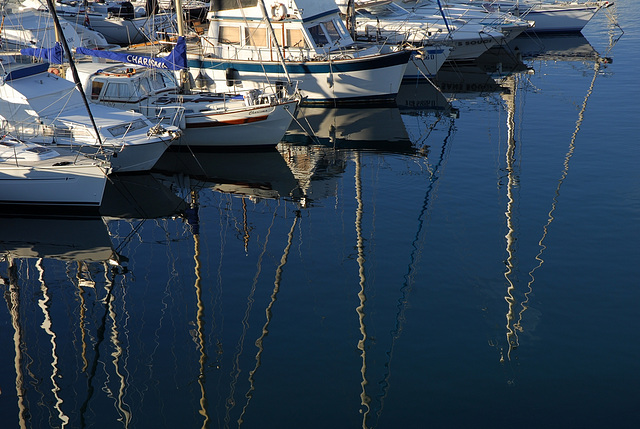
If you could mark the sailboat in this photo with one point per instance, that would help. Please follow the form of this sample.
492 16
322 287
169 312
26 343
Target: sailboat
428 28
42 107
29 28
557 16
304 42
35 177
117 22
250 118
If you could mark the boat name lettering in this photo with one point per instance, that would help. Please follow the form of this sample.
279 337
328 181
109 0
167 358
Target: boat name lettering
258 112
471 42
146 61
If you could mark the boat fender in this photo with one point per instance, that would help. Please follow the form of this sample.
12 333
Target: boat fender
278 11
232 76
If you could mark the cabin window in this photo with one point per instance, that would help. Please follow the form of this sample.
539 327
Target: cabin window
319 38
120 130
342 29
257 37
277 30
116 91
332 31
96 87
162 80
229 34
145 86
295 39
82 133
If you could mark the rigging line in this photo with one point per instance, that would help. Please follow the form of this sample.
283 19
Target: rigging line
45 303
408 277
612 15
245 324
269 315
129 237
12 297
275 40
563 176
308 130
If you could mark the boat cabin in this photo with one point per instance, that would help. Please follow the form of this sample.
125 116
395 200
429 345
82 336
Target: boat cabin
12 149
124 86
303 29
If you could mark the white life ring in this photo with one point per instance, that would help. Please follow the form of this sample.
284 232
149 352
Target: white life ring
278 11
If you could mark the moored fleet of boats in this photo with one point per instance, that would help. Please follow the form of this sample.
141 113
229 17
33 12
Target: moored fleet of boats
94 88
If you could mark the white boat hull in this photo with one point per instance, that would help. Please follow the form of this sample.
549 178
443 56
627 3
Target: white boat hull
340 81
252 127
66 181
130 158
561 20
75 186
566 16
426 63
122 31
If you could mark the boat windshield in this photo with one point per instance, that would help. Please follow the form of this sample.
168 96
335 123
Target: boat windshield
327 32
318 35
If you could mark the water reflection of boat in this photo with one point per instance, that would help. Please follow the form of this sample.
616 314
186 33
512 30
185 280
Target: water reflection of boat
554 47
317 146
262 174
369 128
465 82
71 239
139 196
423 96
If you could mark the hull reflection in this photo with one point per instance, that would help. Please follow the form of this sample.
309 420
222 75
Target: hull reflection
69 239
263 174
556 47
139 196
354 128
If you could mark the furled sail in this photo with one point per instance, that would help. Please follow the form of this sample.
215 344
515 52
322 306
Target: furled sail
176 60
51 55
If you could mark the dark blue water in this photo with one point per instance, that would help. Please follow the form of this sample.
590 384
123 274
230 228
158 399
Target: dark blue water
468 261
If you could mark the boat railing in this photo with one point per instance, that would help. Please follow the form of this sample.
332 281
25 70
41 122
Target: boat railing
173 115
253 53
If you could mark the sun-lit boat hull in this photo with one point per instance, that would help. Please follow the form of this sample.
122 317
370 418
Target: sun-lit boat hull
565 16
38 177
340 81
253 127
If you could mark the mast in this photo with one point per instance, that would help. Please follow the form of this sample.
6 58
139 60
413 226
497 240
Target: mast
72 64
446 23
275 40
